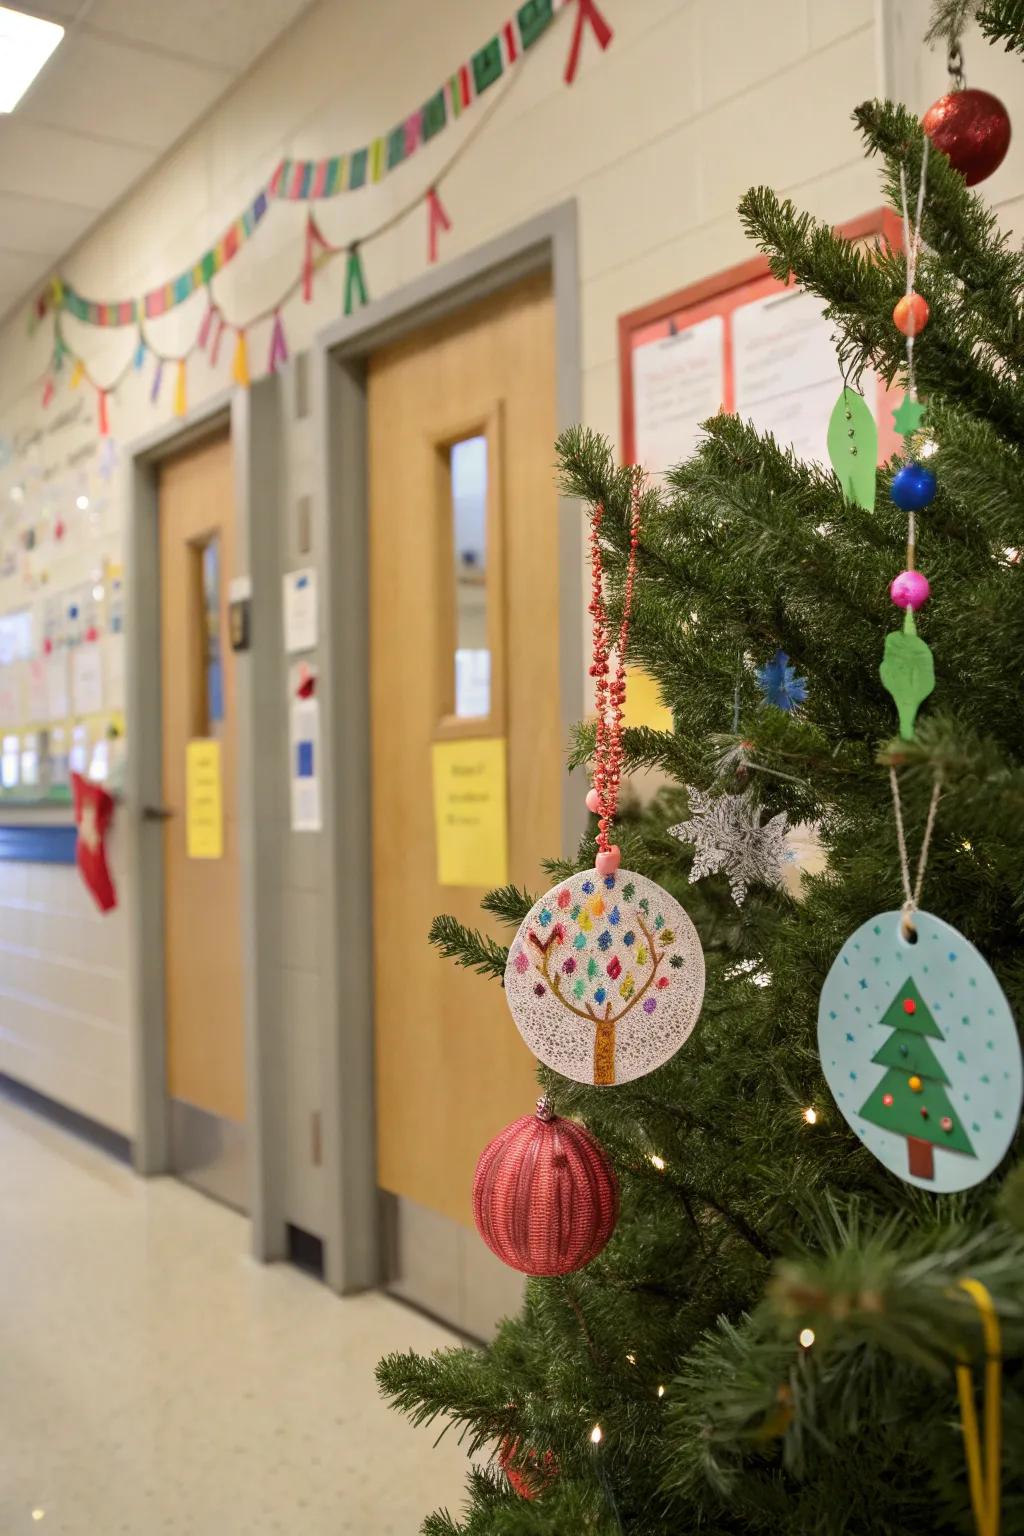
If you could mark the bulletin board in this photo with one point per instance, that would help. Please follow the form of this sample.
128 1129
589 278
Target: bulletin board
739 341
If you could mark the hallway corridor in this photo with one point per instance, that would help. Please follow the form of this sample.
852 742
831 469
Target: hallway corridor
155 1381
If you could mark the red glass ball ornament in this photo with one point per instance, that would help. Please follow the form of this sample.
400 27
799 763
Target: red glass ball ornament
545 1196
529 1481
973 129
910 315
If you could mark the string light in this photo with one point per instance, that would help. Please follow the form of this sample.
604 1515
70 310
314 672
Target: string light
82 503
661 1391
38 1514
811 1115
631 1359
807 1337
658 1162
928 449
595 1435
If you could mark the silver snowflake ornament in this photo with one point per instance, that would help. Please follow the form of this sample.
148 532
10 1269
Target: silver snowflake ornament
727 834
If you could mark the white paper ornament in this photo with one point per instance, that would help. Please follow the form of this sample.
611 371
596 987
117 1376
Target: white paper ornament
605 978
727 834
920 1049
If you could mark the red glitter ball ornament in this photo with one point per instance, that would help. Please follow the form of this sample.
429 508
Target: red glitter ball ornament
528 1481
545 1196
973 129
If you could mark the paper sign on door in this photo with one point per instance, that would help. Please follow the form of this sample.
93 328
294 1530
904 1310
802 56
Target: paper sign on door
471 812
204 821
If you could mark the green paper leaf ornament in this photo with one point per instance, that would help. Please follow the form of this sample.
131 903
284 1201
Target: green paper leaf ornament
908 673
853 448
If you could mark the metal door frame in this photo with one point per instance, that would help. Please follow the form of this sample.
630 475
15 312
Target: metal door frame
252 419
548 242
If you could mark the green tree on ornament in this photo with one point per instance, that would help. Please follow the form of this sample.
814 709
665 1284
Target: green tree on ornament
911 1098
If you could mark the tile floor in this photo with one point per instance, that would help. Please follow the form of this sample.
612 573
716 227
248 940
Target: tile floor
155 1381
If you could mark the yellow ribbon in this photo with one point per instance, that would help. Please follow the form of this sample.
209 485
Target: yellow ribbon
984 1460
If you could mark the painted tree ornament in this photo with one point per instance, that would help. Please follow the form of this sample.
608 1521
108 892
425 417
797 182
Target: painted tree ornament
910 316
921 1051
973 128
545 1196
605 978
913 487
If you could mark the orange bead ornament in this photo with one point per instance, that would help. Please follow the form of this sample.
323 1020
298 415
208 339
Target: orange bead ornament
911 314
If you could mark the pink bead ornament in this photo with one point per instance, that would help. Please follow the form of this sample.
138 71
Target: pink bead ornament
593 801
608 860
909 589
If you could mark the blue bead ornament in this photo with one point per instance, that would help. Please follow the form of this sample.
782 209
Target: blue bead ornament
913 487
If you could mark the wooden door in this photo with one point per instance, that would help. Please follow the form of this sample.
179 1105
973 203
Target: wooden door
202 918
464 644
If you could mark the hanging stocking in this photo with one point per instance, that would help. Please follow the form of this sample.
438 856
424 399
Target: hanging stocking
94 811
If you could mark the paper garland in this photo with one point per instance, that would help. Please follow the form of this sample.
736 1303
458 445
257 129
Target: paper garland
295 180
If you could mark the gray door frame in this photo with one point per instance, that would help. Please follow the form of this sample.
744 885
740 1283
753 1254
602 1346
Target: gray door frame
352 1226
252 418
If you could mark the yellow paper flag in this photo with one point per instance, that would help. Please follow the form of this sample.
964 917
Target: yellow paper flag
240 366
76 374
180 390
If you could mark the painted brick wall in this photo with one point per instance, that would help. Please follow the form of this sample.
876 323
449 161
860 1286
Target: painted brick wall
695 100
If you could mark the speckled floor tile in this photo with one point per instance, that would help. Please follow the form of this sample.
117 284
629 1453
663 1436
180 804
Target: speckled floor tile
156 1381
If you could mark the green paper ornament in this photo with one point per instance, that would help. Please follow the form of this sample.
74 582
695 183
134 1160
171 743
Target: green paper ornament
853 448
908 673
908 416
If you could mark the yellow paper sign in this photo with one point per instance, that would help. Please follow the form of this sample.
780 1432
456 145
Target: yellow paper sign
204 820
643 702
471 812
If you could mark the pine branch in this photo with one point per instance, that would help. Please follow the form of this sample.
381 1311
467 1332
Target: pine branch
468 946
509 904
949 18
1002 21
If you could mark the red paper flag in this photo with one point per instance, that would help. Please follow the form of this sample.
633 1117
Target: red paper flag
278 346
48 391
204 329
314 242
94 811
217 335
437 220
586 11
104 419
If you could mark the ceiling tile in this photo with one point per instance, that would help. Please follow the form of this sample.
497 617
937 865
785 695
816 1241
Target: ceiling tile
63 11
111 91
226 32
36 226
65 166
18 271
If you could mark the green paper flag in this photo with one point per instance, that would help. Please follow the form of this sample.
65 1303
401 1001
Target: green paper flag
908 673
853 448
355 283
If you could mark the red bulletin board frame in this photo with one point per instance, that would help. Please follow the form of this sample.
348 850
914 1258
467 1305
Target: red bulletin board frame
720 295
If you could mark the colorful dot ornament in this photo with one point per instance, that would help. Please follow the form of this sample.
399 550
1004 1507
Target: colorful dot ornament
921 1052
605 978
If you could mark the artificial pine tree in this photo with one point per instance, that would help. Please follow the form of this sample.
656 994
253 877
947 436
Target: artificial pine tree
768 1342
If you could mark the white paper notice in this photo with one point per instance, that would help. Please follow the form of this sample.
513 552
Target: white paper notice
113 671
300 611
678 382
57 686
38 693
10 697
786 370
87 679
305 765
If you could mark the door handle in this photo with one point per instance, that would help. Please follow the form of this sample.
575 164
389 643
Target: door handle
156 813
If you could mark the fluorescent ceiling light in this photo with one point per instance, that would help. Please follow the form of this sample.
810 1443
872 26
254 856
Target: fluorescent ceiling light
26 43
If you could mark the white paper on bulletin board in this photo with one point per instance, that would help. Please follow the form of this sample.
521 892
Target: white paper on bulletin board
10 696
786 370
57 686
678 382
87 679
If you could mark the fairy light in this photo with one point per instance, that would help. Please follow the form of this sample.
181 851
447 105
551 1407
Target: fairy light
807 1337
82 503
596 1435
661 1391
928 449
811 1115
631 1359
658 1162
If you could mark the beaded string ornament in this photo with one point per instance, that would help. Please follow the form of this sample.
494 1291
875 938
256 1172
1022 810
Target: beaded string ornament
605 978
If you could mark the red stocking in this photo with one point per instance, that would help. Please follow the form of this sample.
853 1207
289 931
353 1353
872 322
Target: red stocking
94 811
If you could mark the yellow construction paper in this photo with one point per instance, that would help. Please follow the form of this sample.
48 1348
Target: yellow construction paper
471 812
643 702
204 819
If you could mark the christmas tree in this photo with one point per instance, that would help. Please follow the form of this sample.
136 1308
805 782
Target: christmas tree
768 1342
911 1098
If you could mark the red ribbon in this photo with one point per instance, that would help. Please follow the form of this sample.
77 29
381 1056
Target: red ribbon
438 220
104 419
586 10
217 336
204 329
314 242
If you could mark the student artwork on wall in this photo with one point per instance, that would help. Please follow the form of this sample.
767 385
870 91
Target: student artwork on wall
738 341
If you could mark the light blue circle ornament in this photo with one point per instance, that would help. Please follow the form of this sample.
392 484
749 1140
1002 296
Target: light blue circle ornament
921 1051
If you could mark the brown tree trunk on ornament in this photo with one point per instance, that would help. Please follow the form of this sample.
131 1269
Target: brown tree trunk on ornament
922 1158
604 1053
